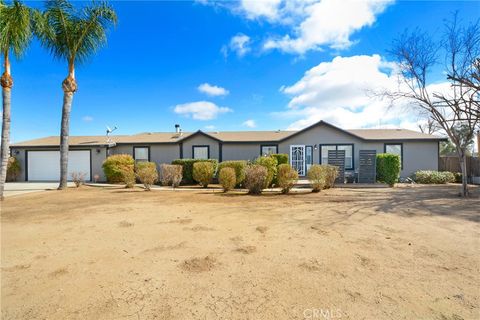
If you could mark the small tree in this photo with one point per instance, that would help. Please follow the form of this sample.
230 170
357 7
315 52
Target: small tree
456 109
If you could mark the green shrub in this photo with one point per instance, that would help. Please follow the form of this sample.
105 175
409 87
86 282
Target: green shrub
282 158
239 166
203 172
171 174
147 173
317 176
458 177
255 178
270 163
13 169
227 178
187 165
433 177
287 177
388 168
119 168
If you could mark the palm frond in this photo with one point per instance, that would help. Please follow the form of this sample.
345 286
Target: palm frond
73 34
15 27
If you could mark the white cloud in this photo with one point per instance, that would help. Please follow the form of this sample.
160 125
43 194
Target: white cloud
249 123
254 9
87 118
342 92
311 24
212 90
240 44
329 23
200 110
210 127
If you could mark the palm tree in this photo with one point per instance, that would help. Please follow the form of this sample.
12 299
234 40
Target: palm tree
15 35
74 36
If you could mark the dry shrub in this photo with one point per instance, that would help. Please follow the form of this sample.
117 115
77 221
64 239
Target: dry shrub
203 172
287 177
255 178
227 178
322 176
119 168
128 176
316 175
171 174
331 175
78 178
147 173
13 169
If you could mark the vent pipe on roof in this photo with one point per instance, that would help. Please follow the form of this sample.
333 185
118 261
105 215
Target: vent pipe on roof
177 128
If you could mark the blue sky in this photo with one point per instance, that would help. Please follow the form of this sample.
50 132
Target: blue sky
147 77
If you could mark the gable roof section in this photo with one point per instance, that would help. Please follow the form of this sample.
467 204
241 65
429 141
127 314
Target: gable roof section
230 137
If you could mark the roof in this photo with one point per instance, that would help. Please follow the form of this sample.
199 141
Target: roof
227 136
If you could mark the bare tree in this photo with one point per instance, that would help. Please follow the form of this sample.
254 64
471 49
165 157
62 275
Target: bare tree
429 127
454 108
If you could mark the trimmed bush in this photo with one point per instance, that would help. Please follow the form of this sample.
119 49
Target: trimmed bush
255 178
388 168
434 177
239 166
317 176
286 177
147 173
187 165
282 158
13 169
203 172
270 163
171 174
119 168
331 174
227 178
322 176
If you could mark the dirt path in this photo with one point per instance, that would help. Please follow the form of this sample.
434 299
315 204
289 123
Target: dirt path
406 253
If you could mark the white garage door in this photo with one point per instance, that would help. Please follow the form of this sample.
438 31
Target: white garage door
45 165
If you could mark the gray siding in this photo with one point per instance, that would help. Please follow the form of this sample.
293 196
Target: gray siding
240 151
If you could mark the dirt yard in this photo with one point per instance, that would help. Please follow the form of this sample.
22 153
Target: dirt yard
92 253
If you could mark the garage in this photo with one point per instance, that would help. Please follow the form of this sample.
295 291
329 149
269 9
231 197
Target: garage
45 165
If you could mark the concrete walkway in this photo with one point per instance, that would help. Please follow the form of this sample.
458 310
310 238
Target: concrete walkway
18 188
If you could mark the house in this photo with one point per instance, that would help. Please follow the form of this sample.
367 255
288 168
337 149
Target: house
39 158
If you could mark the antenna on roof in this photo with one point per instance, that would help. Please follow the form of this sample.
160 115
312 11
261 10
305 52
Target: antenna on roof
110 131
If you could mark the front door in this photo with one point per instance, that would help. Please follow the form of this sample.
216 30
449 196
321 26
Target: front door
297 158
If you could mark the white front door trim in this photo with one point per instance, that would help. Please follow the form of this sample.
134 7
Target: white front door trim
297 158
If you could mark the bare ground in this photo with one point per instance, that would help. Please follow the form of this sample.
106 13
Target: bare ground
403 253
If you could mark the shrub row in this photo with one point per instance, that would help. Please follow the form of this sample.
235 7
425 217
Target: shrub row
433 177
187 165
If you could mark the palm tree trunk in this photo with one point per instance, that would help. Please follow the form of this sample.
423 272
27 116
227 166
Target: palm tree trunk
7 83
69 87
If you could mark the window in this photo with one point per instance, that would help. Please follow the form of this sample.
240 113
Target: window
201 152
395 148
266 150
141 154
348 148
